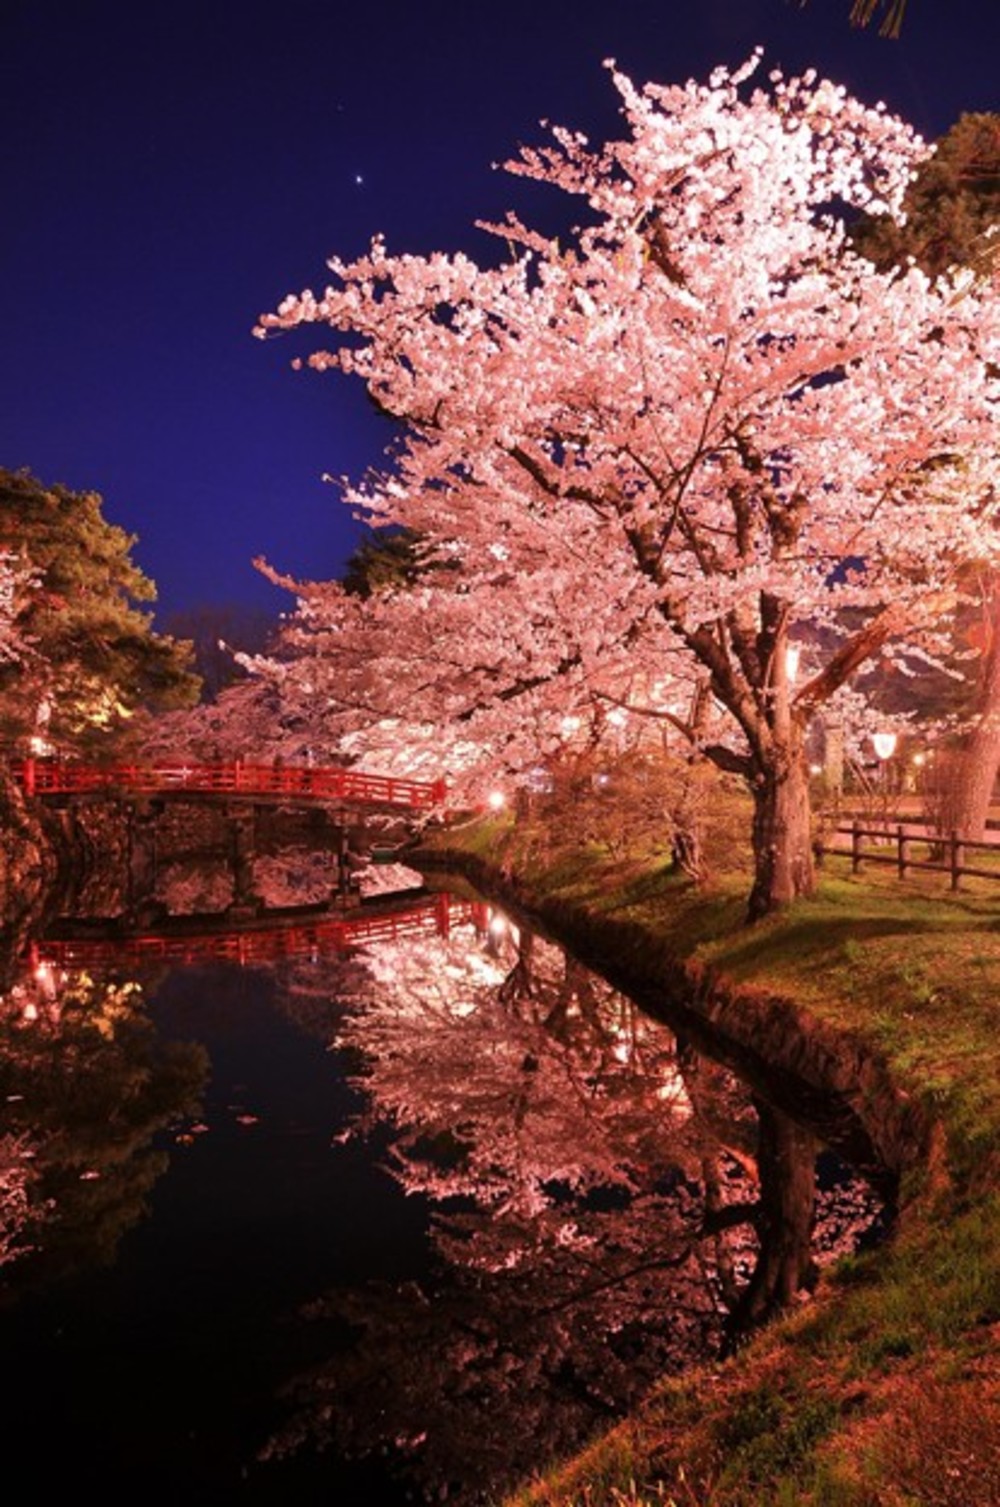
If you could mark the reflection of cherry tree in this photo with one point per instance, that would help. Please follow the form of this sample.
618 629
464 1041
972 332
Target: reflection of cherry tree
85 1085
595 1199
463 1381
548 1122
536 1074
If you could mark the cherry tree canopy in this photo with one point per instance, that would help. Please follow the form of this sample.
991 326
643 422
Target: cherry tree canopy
666 446
14 582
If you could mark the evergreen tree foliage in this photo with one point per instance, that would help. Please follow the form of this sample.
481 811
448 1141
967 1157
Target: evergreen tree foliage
865 11
951 207
92 659
893 12
387 560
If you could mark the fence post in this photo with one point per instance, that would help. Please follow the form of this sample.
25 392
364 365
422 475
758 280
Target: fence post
956 861
855 846
904 850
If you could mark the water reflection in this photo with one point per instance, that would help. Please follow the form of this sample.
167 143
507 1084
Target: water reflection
596 1224
86 1085
594 1184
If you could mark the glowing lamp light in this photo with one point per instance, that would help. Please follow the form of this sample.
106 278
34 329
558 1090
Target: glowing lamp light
792 654
885 744
46 980
496 800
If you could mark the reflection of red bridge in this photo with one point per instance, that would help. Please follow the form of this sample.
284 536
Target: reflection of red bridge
272 783
265 939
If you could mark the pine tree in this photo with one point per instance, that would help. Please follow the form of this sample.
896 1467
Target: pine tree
91 658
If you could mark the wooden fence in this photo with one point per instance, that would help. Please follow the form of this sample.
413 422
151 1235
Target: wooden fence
899 845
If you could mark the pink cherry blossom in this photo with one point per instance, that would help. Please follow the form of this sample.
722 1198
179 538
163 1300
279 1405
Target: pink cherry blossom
649 451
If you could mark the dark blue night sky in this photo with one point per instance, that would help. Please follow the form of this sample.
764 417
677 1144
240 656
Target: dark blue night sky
171 170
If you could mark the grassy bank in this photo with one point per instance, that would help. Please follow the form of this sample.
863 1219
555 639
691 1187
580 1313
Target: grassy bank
884 1389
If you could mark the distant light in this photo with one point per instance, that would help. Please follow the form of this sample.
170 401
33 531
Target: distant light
497 924
496 800
815 769
919 759
885 744
358 179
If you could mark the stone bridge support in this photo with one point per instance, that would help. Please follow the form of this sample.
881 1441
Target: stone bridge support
242 855
141 859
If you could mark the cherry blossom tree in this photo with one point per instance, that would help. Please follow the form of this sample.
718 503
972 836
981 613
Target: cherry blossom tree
663 445
12 584
952 219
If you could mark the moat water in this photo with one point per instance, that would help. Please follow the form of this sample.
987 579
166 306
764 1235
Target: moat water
385 1220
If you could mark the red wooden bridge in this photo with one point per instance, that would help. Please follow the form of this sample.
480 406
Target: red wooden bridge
271 783
266 939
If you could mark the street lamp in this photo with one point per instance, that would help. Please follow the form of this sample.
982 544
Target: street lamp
885 747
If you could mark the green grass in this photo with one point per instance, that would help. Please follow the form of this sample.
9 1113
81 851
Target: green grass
821 1409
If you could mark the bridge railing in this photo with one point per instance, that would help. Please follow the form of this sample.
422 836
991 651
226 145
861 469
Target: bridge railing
234 777
260 942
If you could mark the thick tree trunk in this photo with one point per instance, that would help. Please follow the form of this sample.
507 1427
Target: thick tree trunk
966 803
782 835
786 1160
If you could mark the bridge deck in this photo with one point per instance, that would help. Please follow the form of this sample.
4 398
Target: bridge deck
273 783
